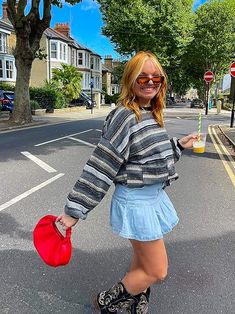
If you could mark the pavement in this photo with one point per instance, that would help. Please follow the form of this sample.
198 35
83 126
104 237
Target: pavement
81 113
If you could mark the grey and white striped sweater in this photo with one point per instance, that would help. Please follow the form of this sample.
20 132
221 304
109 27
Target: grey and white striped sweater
129 152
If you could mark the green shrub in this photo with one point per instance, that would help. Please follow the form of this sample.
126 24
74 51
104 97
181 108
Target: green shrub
111 98
6 86
34 105
45 98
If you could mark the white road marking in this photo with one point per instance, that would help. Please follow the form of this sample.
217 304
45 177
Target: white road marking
81 141
63 137
27 193
98 130
39 162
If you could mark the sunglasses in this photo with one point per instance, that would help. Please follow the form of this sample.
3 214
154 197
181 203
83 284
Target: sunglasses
144 80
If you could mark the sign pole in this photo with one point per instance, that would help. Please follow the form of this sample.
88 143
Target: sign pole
232 73
208 77
232 113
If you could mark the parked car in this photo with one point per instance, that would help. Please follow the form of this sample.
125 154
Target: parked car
196 103
6 100
83 100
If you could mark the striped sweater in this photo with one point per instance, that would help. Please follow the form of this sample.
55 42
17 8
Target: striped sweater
129 152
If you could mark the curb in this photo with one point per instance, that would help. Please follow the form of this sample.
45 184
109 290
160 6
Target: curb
227 137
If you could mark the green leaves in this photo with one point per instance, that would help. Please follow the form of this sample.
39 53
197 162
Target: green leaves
69 80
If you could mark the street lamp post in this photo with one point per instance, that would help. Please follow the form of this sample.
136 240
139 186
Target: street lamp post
91 85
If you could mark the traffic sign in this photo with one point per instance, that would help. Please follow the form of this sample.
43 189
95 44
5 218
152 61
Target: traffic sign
232 69
208 76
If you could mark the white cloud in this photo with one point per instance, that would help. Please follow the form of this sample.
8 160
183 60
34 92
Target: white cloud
87 5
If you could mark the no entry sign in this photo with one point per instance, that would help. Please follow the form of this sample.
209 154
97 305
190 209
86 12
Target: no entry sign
232 69
208 76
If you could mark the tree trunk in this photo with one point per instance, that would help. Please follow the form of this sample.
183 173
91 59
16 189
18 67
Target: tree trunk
22 109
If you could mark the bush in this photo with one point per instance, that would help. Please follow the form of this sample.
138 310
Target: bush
111 98
34 105
6 86
46 98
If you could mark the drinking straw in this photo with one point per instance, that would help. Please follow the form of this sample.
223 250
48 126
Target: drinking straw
199 126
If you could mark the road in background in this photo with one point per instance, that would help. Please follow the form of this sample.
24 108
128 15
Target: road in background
201 247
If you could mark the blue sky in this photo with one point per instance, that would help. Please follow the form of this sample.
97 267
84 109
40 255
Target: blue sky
85 21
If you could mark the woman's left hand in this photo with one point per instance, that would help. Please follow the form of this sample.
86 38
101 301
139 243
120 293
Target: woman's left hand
187 141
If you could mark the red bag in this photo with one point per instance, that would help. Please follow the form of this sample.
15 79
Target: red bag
51 245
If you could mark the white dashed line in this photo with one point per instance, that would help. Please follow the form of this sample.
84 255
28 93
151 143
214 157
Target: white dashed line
39 162
63 137
27 193
80 141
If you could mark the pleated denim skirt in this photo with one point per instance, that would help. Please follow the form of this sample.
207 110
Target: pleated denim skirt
143 214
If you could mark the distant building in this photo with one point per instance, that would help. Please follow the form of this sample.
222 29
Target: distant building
110 83
60 47
7 43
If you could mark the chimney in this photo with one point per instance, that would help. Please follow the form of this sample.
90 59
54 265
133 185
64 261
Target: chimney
63 28
108 61
4 10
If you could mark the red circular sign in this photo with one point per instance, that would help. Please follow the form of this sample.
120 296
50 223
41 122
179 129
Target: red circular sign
208 76
232 69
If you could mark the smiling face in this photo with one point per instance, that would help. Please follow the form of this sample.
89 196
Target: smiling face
144 93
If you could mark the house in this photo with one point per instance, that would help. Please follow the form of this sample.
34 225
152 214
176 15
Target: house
7 43
110 83
60 47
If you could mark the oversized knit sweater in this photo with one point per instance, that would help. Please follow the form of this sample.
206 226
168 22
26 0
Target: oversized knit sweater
130 152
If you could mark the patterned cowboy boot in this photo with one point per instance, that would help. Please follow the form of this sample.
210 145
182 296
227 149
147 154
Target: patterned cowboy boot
141 304
112 300
117 298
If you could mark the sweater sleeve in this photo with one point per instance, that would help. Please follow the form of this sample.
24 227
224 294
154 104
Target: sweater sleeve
102 167
176 150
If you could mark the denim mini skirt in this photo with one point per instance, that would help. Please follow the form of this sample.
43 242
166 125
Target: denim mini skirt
143 214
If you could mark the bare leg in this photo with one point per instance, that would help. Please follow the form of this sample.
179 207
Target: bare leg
148 266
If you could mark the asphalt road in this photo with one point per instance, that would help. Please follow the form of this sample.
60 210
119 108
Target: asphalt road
201 248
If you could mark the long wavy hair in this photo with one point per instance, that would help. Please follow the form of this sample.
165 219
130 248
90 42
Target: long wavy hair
127 96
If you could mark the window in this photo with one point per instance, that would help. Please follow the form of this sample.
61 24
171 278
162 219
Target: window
73 61
53 49
9 69
3 42
86 60
97 64
92 63
1 68
80 58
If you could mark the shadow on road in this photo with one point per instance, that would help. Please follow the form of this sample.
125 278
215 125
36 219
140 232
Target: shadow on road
193 285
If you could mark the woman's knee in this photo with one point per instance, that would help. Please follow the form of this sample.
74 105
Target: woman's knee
158 274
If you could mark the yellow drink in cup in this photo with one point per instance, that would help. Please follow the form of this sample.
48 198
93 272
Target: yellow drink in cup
199 146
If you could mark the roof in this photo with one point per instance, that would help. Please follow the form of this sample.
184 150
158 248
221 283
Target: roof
105 68
6 24
53 34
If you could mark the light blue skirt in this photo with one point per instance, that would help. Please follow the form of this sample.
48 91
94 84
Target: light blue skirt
143 214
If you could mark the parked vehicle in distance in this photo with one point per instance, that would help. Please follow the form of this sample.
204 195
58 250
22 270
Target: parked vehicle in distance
196 103
6 100
83 100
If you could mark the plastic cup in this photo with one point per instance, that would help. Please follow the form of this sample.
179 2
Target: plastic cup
199 145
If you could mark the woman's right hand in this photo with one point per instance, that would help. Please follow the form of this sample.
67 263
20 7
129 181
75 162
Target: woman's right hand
66 221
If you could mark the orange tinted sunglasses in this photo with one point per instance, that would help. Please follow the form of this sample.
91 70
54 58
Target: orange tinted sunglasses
144 80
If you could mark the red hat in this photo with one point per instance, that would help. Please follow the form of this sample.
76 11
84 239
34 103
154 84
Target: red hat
51 245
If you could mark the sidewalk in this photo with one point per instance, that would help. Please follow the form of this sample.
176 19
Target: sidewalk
81 113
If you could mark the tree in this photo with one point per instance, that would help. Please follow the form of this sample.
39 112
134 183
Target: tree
69 80
161 26
29 29
213 41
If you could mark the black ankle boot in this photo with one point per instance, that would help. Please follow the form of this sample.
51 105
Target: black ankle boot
112 300
117 298
141 304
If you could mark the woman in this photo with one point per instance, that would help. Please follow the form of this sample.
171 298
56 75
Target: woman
136 154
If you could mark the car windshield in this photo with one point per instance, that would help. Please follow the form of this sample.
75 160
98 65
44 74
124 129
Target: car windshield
9 96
